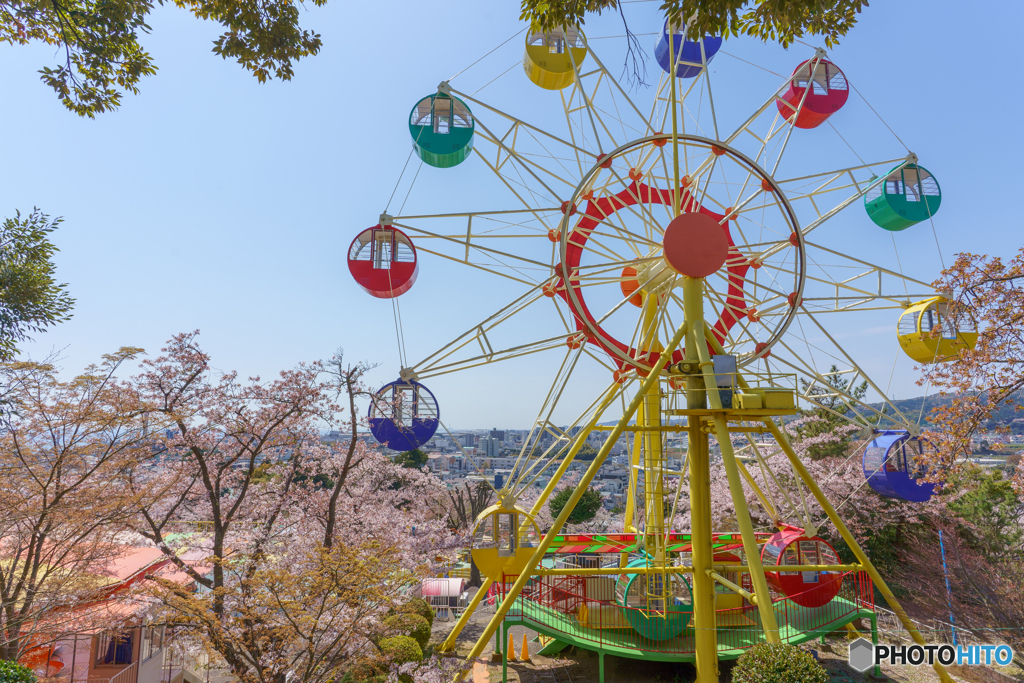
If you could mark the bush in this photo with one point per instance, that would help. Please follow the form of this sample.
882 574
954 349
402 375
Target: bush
586 508
778 663
401 649
409 624
421 607
12 672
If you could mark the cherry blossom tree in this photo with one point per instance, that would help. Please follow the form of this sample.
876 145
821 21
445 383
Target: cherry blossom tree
298 549
988 295
62 443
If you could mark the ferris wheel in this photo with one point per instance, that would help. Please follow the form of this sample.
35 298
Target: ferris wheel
683 258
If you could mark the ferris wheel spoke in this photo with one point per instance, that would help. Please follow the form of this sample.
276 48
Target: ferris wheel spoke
706 73
482 267
827 177
558 385
863 413
541 464
602 248
856 292
572 136
612 266
538 213
468 245
622 92
493 356
620 231
645 216
816 64
519 122
873 268
548 154
579 89
622 235
771 101
739 314
853 363
524 163
442 361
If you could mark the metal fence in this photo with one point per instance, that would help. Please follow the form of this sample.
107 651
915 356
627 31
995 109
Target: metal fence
565 606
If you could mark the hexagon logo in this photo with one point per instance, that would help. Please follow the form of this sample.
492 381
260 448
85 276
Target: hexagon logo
862 655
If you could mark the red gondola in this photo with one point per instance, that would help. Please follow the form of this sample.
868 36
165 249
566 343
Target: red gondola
383 261
829 92
807 589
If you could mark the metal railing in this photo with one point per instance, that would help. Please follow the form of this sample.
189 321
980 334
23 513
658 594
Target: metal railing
129 674
608 624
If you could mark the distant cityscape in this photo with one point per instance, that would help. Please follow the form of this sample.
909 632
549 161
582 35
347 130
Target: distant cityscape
475 455
491 454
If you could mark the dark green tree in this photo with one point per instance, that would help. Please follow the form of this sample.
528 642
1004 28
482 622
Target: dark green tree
101 56
414 458
30 298
764 19
990 513
830 407
588 505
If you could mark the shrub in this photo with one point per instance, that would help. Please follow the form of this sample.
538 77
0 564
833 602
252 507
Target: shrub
409 624
12 672
586 508
401 649
421 607
778 663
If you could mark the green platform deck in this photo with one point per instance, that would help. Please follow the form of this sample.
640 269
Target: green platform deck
796 624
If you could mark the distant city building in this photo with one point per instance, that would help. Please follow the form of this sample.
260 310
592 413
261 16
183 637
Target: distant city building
490 447
469 440
498 434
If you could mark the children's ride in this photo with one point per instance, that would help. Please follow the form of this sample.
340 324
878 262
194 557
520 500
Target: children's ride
649 243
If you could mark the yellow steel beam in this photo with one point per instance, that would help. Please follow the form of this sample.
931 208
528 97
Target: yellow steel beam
757 491
702 554
739 501
581 439
732 586
581 487
449 642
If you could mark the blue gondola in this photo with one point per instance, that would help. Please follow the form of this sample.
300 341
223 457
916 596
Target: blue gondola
688 51
403 415
893 463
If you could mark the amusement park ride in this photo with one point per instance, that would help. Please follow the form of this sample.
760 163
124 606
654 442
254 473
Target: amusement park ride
675 254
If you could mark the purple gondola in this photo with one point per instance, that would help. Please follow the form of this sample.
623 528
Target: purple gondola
894 462
689 61
403 415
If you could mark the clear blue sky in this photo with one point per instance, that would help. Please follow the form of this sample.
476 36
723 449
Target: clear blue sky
210 201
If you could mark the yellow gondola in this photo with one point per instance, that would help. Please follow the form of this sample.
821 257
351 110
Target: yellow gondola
503 541
550 56
915 326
